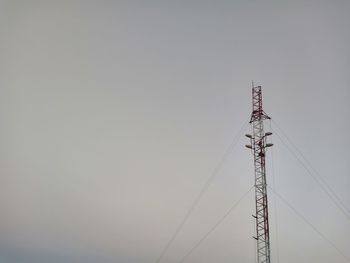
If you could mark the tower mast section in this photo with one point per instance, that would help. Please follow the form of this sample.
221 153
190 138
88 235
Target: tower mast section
258 145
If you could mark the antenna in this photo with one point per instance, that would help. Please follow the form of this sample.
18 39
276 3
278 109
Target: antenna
258 145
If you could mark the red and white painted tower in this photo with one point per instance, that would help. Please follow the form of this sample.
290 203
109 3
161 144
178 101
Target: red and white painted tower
258 145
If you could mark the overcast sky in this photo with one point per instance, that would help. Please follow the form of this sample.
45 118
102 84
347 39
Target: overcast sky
113 114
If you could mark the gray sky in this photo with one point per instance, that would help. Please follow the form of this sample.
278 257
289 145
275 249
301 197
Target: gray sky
114 113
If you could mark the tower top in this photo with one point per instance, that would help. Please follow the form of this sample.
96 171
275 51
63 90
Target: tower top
258 113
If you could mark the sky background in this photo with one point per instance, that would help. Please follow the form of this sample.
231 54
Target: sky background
113 114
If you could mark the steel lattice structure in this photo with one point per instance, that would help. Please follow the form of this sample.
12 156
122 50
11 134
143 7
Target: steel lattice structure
258 146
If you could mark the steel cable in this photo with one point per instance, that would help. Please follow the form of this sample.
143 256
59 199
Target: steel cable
202 191
196 245
325 189
310 224
329 188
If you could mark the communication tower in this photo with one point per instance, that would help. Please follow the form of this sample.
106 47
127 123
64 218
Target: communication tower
258 145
